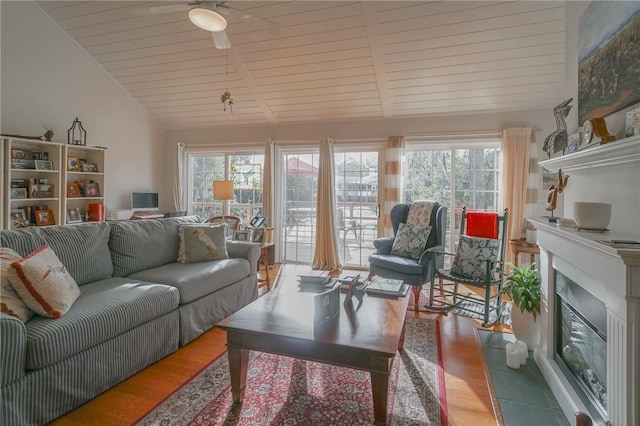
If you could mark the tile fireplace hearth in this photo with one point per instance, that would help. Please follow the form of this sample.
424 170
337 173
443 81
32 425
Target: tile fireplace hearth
605 276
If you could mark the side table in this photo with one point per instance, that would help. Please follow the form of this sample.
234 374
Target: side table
267 259
521 245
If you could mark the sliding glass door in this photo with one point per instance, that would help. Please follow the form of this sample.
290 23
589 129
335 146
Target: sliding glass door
356 175
455 177
298 210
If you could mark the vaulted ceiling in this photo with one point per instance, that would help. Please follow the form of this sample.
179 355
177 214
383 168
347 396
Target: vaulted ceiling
326 60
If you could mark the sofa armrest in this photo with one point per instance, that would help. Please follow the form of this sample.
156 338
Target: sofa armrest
383 245
13 347
243 249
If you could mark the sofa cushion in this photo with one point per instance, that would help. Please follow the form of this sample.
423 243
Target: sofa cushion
10 302
195 280
43 283
403 265
201 243
83 249
137 245
23 241
105 309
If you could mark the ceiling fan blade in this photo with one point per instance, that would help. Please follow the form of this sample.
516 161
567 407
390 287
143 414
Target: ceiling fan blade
249 18
155 10
220 40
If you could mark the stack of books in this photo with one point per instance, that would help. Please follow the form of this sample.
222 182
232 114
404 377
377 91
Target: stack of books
389 287
345 282
320 280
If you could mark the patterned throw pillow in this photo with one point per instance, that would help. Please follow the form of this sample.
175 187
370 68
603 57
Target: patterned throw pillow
10 302
201 243
43 283
410 241
472 255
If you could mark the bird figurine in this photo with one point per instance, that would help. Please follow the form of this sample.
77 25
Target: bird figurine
552 193
557 141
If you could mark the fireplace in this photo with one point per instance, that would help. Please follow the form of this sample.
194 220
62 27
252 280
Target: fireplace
590 324
581 343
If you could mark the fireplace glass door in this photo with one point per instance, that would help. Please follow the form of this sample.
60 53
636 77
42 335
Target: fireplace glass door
581 342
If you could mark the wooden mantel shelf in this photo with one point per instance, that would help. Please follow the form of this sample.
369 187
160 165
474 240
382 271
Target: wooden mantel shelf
623 152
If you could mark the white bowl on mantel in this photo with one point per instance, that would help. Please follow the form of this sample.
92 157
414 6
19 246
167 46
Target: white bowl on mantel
592 215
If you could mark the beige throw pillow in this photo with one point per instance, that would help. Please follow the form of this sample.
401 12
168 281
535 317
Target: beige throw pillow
201 243
10 302
43 283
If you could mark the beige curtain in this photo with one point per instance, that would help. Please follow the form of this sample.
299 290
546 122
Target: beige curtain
392 182
516 156
177 163
267 187
326 256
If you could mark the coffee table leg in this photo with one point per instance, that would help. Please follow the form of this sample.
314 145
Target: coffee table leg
401 341
238 361
380 389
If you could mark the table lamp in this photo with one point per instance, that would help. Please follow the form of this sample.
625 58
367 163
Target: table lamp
223 190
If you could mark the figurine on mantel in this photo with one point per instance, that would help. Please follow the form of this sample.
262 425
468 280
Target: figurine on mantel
557 141
552 194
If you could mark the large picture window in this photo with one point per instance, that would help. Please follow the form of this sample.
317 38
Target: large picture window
245 170
455 177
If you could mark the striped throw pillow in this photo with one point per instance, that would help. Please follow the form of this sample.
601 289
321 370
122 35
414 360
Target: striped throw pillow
10 302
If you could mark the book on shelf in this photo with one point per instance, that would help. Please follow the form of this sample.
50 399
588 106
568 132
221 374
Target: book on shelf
386 286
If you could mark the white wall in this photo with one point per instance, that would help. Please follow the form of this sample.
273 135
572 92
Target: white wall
618 186
48 80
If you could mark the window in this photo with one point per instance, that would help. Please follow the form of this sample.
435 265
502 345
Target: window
244 169
455 177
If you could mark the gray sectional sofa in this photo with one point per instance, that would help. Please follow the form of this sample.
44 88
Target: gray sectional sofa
137 305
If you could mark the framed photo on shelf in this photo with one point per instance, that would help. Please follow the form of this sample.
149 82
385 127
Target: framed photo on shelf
43 164
19 218
20 154
89 167
257 236
73 164
242 235
18 193
73 215
91 189
73 190
44 218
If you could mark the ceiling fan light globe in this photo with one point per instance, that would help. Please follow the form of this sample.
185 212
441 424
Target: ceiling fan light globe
207 19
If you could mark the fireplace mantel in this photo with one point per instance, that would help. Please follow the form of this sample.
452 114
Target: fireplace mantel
612 274
623 152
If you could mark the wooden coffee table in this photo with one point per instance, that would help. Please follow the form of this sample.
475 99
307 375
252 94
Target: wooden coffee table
281 322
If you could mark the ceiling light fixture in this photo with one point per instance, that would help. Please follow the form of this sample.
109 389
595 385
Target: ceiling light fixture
207 19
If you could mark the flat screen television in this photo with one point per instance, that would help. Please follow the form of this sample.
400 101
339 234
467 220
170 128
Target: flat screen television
144 201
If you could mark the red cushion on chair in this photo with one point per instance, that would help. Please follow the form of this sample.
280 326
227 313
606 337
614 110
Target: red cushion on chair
482 224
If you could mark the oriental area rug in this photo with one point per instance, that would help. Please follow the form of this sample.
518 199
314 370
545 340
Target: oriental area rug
287 391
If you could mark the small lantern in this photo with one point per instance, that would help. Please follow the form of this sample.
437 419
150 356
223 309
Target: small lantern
77 135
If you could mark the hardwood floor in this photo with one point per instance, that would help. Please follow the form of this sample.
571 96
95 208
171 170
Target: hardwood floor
468 396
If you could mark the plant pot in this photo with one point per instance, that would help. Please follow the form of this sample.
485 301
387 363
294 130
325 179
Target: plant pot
524 327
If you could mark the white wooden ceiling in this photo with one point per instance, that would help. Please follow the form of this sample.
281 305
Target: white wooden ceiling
327 60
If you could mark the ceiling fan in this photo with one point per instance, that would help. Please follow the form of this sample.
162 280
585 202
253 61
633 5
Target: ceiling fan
210 16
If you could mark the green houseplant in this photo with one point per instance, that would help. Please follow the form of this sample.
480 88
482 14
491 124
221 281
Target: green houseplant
523 288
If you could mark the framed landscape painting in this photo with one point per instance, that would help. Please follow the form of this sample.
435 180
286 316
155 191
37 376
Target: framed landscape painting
608 58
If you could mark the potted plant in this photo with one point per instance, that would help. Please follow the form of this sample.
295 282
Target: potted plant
522 286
